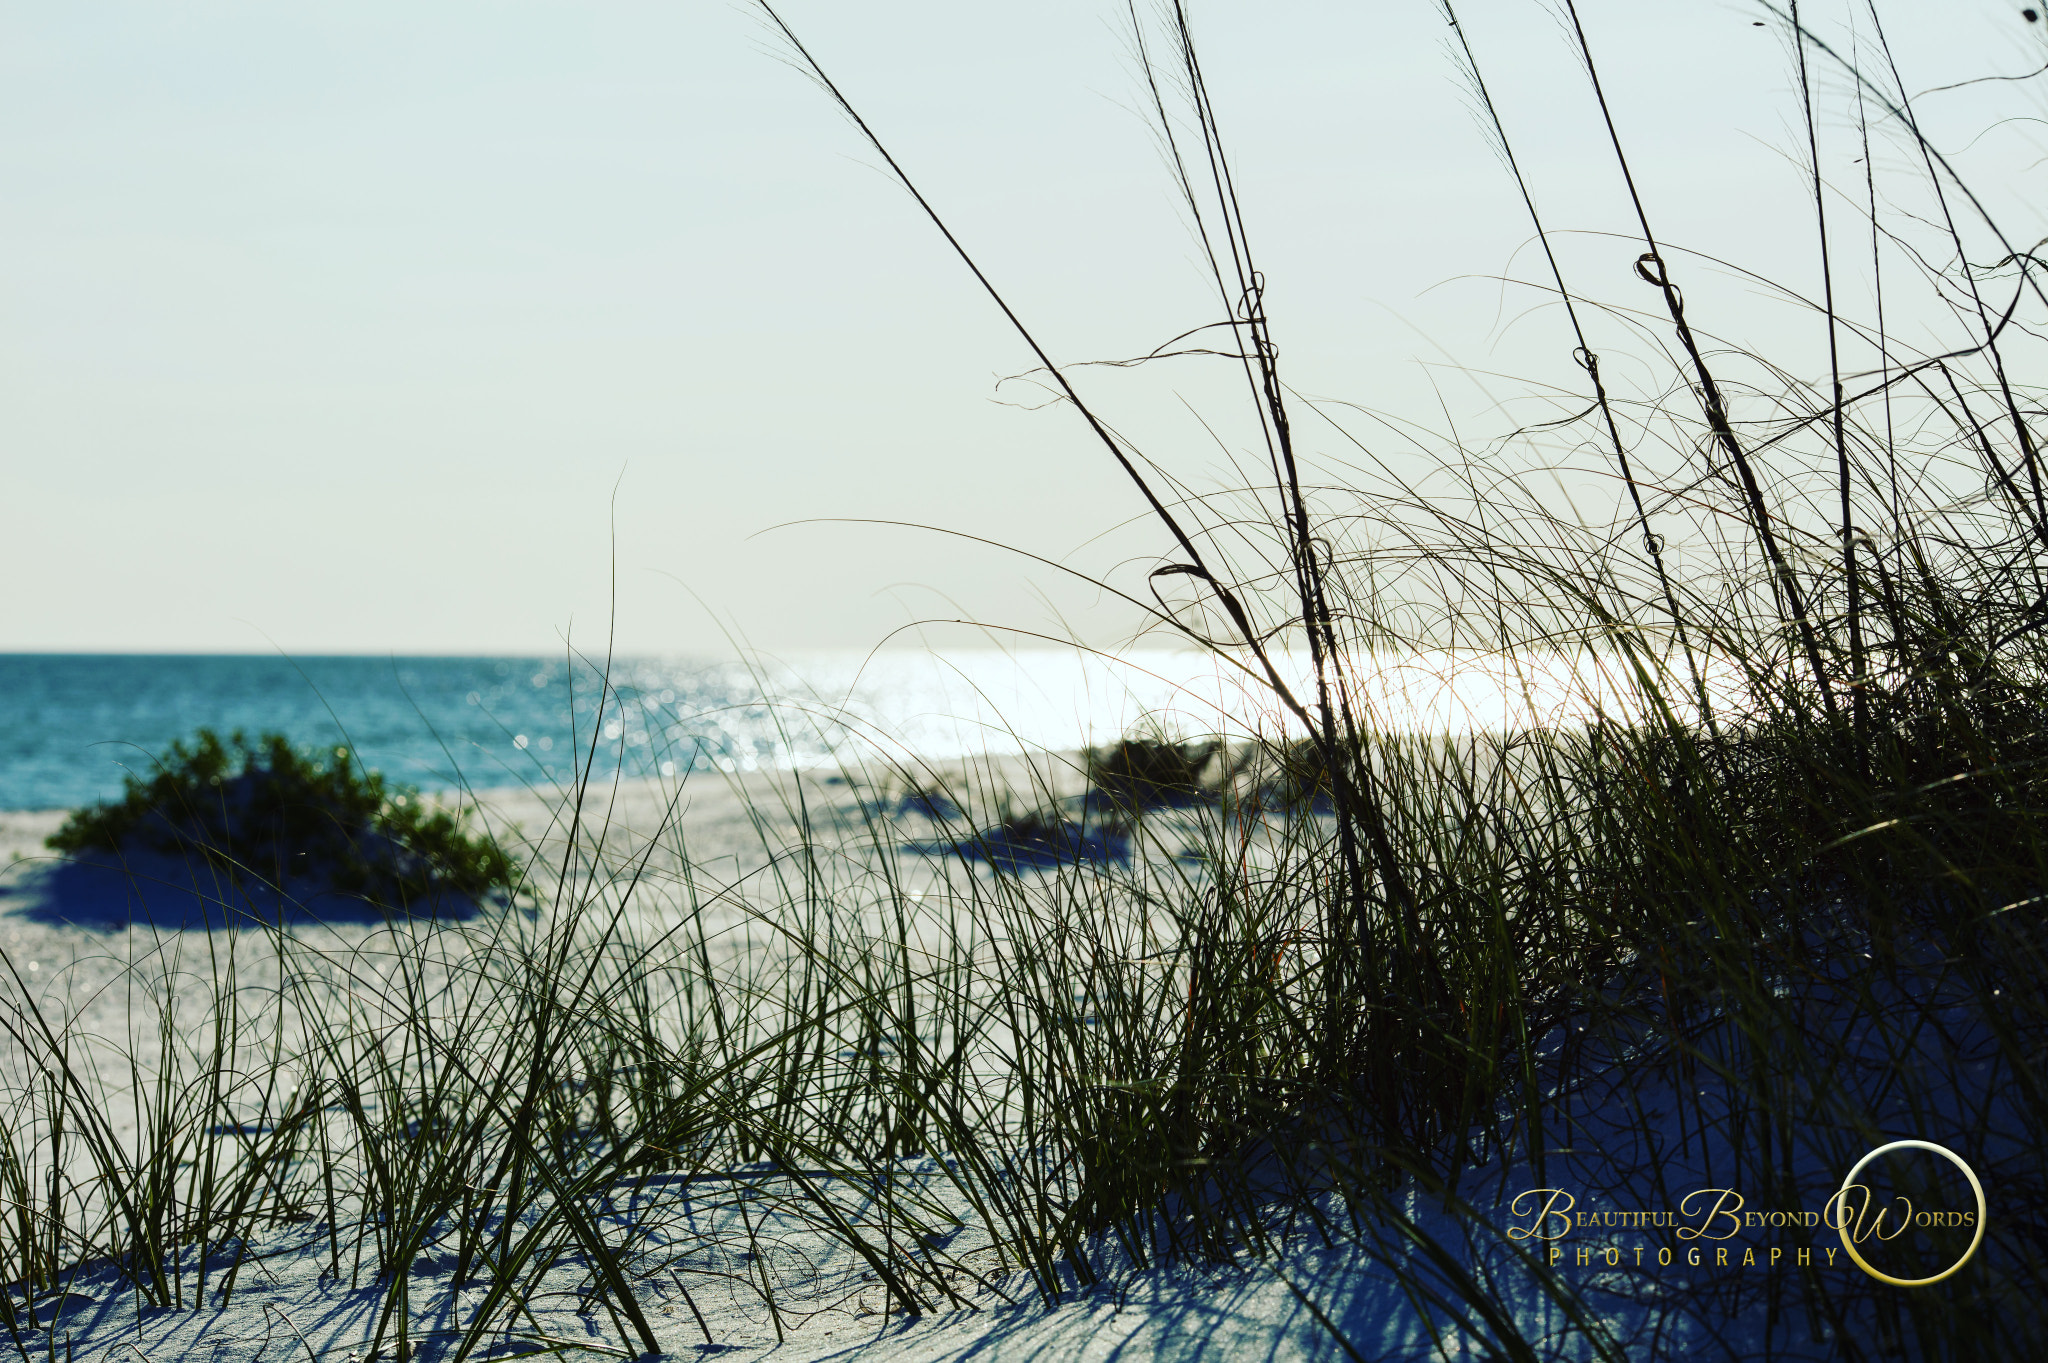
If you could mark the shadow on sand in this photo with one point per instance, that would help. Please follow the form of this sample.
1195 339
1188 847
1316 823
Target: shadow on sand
107 892
1031 844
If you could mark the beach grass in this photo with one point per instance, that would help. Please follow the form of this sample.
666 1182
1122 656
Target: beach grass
1764 893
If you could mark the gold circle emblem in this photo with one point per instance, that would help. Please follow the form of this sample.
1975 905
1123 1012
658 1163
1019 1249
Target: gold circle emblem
1952 1157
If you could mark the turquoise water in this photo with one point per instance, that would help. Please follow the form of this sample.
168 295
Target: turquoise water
72 725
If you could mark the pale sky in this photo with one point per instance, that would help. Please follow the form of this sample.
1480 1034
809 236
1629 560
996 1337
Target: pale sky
389 327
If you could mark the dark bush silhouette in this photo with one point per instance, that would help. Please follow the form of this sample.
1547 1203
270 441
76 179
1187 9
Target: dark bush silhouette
1144 773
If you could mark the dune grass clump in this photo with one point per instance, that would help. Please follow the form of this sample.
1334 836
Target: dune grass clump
1296 776
1772 884
263 810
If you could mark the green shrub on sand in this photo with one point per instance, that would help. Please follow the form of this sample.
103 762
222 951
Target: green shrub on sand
264 812
1141 772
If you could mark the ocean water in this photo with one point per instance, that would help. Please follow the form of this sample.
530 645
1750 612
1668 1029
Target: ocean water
72 726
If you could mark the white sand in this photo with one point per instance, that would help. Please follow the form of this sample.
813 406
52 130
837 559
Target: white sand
79 939
1641 1146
